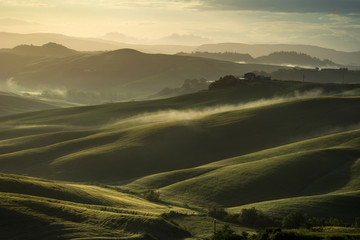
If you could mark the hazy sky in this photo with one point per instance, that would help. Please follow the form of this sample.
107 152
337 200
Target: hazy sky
327 23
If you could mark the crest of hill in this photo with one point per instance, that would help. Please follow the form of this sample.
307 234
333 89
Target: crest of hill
47 50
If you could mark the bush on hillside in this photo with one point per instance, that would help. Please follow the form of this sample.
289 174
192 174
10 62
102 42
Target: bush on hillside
294 220
357 222
226 233
217 212
255 218
152 195
278 234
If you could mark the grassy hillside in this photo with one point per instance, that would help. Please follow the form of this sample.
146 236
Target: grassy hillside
12 103
53 210
317 176
134 147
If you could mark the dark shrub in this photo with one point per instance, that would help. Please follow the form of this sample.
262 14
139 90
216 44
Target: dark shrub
255 218
152 195
294 220
226 233
217 212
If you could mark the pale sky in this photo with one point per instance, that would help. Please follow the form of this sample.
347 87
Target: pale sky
327 23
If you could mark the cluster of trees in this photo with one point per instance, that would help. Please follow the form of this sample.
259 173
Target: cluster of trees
226 82
230 81
226 233
250 217
254 218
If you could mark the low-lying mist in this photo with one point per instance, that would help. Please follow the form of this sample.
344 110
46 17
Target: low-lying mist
63 94
193 114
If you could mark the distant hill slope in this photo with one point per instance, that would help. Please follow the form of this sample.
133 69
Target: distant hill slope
278 58
12 63
42 209
257 50
124 73
12 103
317 176
48 50
294 58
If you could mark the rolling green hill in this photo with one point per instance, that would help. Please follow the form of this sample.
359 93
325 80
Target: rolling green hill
317 176
127 148
40 209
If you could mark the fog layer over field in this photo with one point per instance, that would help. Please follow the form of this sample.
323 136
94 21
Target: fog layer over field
193 114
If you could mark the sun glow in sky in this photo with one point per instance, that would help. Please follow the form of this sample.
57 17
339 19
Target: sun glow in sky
328 23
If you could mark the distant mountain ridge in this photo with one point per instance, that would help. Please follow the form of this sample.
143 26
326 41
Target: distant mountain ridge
10 40
257 50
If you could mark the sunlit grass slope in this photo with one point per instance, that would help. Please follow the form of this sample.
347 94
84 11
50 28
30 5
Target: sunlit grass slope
135 149
319 176
12 103
34 208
